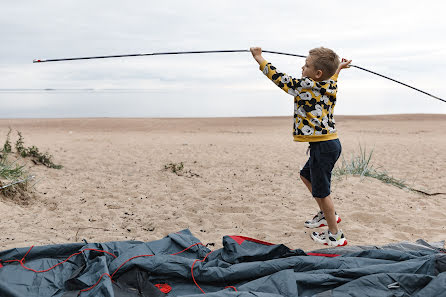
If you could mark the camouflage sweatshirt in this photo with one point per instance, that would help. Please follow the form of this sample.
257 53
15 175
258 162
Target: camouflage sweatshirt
314 103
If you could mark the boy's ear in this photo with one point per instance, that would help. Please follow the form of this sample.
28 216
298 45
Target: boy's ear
319 74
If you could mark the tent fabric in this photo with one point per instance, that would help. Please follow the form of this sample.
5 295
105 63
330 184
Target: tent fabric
243 267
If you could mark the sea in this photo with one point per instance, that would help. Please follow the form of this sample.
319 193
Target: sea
191 103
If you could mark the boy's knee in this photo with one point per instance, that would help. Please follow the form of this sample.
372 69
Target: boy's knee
322 197
304 178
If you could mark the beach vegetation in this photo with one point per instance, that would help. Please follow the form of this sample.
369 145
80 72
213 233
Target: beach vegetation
7 145
14 179
10 170
178 169
13 176
360 165
33 152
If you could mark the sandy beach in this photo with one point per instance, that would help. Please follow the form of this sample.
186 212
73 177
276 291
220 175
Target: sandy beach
240 177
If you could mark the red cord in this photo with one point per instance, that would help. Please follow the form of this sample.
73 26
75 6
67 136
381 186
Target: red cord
128 261
22 261
188 248
192 271
99 280
232 287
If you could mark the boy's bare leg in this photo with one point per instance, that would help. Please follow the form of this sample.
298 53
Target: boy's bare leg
308 184
327 207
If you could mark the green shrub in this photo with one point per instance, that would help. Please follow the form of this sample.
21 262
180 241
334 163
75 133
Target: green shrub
34 153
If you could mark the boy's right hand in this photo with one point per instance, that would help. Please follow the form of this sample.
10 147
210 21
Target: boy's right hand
257 54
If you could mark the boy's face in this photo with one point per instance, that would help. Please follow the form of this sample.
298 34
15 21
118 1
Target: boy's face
308 70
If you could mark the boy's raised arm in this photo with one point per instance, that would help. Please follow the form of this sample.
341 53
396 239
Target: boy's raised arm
282 80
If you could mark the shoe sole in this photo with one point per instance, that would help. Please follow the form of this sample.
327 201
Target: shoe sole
321 225
344 243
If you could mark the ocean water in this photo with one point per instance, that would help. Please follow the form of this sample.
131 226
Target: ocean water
223 102
136 103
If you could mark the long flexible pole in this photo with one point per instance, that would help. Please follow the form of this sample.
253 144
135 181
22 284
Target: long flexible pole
157 54
399 82
220 51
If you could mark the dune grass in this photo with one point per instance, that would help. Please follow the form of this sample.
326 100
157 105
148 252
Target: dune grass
14 177
360 165
9 170
11 173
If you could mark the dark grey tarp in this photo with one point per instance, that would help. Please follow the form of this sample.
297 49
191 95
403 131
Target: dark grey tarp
179 265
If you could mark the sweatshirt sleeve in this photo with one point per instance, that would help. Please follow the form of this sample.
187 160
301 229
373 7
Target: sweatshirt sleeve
287 83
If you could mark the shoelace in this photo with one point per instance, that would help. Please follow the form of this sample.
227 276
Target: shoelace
322 235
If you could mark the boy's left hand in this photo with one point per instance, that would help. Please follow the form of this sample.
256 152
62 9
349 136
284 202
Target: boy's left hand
344 64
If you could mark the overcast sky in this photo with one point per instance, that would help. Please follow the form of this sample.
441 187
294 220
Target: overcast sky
401 39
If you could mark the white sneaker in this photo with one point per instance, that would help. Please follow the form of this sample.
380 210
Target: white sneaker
319 221
327 238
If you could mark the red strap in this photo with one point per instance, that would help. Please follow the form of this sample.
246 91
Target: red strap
241 239
322 255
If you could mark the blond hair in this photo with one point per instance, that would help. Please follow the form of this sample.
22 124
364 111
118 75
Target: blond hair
326 60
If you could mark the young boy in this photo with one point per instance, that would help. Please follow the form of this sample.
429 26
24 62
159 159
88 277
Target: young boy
314 102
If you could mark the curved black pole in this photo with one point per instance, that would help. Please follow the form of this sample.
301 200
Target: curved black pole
157 54
220 51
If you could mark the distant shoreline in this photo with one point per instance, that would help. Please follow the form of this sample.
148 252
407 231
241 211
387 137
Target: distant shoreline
403 116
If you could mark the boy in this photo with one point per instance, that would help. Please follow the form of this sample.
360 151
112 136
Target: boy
314 102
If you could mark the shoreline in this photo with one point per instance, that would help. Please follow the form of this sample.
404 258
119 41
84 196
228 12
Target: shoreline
397 115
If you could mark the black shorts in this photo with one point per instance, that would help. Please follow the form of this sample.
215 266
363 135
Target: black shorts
323 156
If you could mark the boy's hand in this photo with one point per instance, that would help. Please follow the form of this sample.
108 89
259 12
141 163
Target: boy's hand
256 51
344 64
257 54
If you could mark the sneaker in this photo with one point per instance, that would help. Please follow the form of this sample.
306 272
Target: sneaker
327 238
320 221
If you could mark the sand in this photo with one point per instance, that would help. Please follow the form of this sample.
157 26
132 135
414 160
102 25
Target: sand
240 177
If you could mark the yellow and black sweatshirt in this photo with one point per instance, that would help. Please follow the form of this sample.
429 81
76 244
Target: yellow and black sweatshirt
314 103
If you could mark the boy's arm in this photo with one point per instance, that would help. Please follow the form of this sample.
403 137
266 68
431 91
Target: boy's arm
344 64
283 81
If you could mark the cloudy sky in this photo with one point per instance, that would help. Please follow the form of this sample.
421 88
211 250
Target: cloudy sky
401 39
